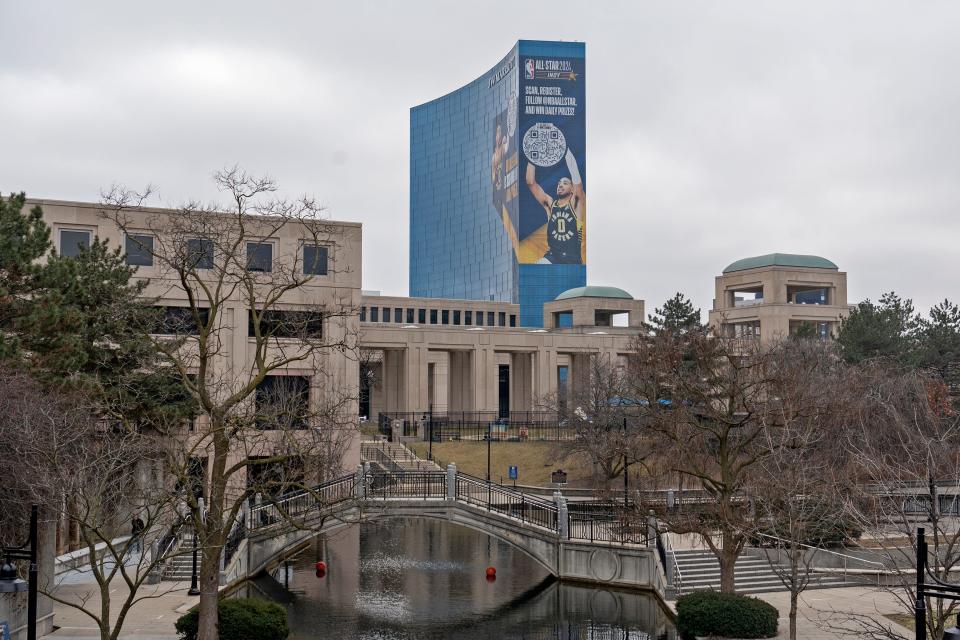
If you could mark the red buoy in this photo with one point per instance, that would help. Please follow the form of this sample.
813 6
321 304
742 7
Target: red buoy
321 566
321 573
491 572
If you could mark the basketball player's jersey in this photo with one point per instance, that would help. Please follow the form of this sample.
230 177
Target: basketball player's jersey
563 234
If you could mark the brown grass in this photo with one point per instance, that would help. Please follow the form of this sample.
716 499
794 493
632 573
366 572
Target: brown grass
534 461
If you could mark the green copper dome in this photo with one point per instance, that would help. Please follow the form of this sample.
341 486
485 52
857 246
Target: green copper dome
780 260
594 292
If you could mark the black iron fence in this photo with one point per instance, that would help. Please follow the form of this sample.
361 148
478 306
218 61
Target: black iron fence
506 501
517 426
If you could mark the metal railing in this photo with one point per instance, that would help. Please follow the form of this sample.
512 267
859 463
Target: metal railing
608 528
674 566
599 522
238 532
299 503
506 501
782 544
516 426
408 484
394 457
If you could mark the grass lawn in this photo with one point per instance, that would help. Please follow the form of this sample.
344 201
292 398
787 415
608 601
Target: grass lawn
534 461
906 619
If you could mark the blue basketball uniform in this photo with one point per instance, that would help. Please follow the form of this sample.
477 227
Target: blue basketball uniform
563 234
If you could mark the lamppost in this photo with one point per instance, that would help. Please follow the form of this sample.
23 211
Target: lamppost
934 589
194 588
9 583
626 475
430 436
489 439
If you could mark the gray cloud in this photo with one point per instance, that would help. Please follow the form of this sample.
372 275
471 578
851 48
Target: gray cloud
716 130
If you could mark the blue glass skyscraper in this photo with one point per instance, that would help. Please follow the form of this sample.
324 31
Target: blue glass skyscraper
498 183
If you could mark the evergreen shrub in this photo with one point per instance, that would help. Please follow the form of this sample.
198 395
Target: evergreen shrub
241 619
724 615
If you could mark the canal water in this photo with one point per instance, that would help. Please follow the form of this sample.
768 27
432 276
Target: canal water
406 579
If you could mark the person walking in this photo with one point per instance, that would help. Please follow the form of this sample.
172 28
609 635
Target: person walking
136 533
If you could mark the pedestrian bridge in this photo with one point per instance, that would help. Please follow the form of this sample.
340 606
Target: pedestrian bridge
596 546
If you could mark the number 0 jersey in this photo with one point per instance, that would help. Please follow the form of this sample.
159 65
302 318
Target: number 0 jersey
563 233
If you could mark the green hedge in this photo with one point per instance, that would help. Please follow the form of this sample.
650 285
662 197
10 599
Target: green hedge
242 619
711 613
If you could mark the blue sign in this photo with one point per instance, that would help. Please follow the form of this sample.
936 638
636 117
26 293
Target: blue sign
4 630
513 472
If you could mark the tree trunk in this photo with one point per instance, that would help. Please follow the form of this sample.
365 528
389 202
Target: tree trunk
728 561
208 628
727 556
794 588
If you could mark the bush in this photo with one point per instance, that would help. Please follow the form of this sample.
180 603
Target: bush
241 619
711 613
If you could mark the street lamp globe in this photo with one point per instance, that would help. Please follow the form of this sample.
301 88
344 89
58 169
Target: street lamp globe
9 582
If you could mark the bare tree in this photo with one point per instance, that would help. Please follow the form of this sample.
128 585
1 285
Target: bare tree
797 481
605 419
90 475
904 448
706 399
245 275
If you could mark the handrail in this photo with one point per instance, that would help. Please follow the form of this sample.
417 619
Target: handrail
835 553
845 557
677 575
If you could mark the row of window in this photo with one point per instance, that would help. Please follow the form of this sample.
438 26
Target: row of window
139 250
273 323
468 317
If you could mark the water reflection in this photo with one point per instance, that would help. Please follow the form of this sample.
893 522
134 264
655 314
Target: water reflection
418 578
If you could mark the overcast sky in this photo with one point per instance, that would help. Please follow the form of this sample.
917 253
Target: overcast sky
716 130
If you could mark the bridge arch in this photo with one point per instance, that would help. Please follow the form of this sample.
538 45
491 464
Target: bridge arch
271 546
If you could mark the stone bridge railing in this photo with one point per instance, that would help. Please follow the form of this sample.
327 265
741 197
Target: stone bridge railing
590 522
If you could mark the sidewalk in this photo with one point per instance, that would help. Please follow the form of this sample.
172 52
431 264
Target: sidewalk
150 619
826 613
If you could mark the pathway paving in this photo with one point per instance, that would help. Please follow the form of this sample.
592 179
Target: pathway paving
825 613
149 619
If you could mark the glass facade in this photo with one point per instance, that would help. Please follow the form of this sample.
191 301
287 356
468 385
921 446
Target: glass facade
498 183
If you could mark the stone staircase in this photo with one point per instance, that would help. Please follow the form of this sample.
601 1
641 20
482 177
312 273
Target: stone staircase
180 567
699 569
394 455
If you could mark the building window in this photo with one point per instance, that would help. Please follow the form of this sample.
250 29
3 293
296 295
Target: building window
72 242
283 402
502 319
180 321
386 314
433 316
422 316
139 248
456 316
287 324
363 314
260 257
513 320
398 316
315 260
489 318
468 318
409 316
374 314
479 318
200 253
445 317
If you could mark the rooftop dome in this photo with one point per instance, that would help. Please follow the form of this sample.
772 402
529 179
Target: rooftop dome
781 260
594 292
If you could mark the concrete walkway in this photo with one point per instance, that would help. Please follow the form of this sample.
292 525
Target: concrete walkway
150 619
847 612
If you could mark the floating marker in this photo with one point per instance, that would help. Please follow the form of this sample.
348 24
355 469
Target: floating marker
321 566
491 572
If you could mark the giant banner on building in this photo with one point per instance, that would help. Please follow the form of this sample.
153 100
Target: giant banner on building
552 139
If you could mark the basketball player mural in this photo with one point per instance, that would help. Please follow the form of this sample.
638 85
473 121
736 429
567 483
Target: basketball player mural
565 214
